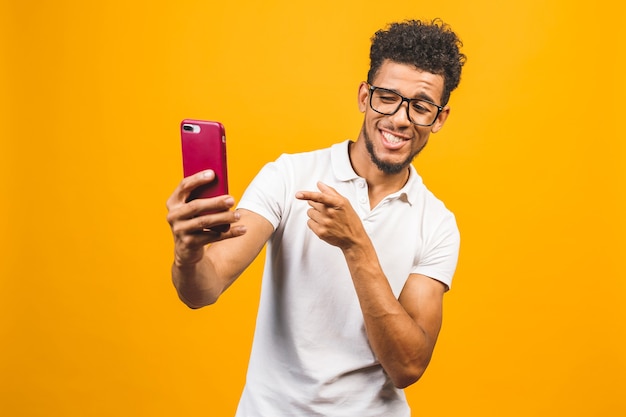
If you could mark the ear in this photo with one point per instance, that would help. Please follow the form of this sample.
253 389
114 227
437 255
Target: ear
363 96
441 119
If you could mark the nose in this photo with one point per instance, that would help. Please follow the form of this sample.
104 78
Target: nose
401 116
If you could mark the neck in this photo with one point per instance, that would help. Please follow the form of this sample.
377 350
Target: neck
380 184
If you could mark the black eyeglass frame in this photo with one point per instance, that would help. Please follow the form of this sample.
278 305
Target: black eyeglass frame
408 103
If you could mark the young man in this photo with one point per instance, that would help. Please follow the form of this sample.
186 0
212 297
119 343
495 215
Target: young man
359 252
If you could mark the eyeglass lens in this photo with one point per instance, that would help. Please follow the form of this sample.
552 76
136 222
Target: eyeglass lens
388 102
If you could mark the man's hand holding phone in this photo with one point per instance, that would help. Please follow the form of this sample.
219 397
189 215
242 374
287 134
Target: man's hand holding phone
199 210
203 145
193 222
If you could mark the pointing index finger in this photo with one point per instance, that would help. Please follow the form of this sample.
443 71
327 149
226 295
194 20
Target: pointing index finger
309 195
325 196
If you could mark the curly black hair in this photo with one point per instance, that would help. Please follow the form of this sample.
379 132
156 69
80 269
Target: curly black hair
429 46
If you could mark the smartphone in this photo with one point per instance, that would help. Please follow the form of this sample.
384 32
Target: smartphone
204 147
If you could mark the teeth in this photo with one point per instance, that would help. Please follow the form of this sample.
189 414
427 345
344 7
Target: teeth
391 138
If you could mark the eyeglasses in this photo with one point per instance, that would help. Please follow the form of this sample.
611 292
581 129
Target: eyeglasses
419 111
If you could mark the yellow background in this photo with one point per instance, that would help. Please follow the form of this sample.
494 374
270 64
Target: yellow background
531 161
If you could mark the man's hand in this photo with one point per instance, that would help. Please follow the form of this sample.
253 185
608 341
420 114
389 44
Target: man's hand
191 230
332 218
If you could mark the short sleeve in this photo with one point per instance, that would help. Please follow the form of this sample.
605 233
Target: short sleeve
441 251
266 193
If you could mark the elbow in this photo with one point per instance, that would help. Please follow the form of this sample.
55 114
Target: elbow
193 289
407 378
409 373
192 306
196 303
194 297
406 372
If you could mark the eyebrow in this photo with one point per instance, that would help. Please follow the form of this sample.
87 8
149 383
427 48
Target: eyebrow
420 96
424 96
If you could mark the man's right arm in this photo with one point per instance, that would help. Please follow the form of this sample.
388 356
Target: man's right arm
202 273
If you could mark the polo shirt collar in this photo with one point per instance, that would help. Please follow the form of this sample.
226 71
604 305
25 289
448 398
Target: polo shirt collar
340 160
342 168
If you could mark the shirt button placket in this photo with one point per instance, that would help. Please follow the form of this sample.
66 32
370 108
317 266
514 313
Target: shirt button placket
362 194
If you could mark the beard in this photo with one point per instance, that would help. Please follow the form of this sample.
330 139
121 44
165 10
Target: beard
388 167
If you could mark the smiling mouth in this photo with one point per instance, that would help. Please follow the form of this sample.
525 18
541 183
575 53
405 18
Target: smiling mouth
391 138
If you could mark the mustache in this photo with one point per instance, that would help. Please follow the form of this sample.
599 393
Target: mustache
405 131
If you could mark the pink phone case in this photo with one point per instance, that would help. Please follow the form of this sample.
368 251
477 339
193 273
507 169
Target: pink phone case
204 147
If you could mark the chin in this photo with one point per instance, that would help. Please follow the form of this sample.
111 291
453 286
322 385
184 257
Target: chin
388 167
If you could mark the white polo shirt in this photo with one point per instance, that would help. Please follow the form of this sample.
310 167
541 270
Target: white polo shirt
310 355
